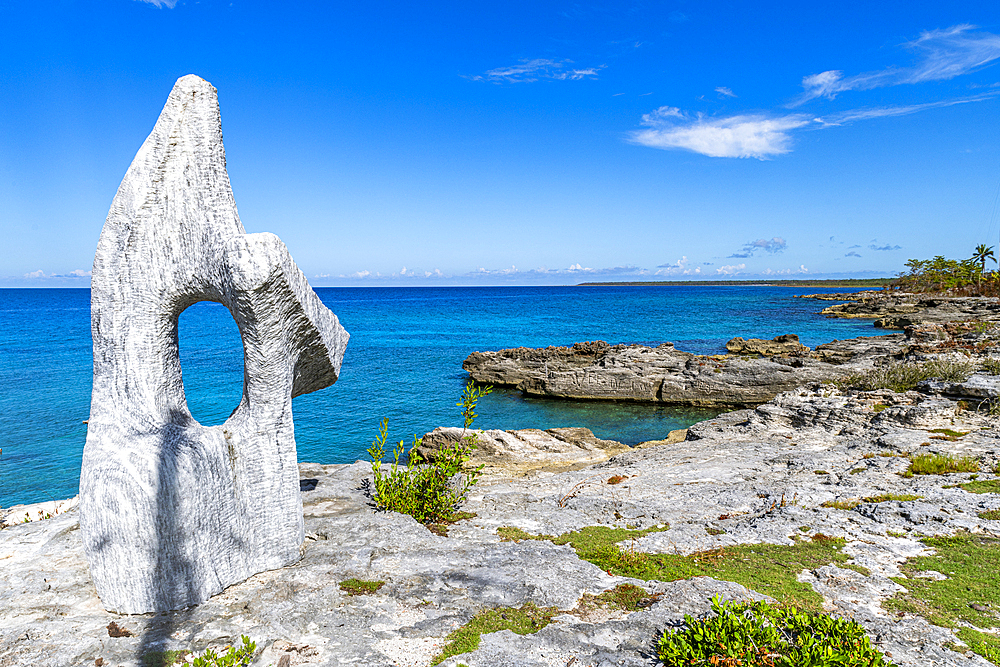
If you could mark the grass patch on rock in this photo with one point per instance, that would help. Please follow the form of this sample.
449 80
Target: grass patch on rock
360 586
940 464
768 568
990 515
886 497
948 434
980 486
842 504
758 634
969 596
523 620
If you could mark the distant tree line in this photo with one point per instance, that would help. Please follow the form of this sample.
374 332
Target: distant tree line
964 277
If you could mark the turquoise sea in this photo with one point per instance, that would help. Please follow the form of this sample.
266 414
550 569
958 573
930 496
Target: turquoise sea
404 362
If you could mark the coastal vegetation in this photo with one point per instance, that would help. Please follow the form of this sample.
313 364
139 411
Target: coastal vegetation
940 464
234 657
965 599
770 569
906 375
758 634
966 277
523 620
360 586
424 489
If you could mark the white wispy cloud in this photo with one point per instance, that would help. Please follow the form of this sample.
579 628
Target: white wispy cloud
35 274
170 4
680 267
869 113
760 136
527 71
944 54
756 136
730 269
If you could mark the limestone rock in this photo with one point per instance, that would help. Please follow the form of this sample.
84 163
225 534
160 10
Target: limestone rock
744 477
786 344
528 449
172 512
638 373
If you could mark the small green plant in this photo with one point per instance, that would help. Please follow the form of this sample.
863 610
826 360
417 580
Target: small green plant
821 472
940 464
360 586
757 634
714 531
895 533
990 515
879 407
842 504
886 497
422 489
235 657
524 620
903 376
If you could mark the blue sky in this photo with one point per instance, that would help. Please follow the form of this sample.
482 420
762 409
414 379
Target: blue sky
522 143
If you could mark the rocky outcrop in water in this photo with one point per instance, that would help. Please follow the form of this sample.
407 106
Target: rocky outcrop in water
172 512
746 477
597 370
892 310
781 345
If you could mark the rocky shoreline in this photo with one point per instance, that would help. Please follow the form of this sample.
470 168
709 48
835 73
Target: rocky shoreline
796 467
753 371
810 464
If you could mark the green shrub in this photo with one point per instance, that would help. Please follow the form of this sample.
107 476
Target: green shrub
421 489
903 376
757 634
235 657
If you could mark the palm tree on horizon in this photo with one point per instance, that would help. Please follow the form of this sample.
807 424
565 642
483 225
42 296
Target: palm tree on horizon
981 254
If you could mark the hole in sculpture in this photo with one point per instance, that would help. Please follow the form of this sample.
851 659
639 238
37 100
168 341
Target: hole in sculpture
211 352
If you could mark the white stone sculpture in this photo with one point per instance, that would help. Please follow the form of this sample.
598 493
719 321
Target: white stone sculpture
171 511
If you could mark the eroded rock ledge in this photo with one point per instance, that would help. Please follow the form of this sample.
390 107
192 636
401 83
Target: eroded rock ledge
892 310
722 486
757 372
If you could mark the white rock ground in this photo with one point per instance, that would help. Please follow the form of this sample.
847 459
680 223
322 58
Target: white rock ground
739 464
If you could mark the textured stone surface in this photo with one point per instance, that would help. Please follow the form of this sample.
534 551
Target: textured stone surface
722 486
897 310
172 512
527 449
660 374
786 344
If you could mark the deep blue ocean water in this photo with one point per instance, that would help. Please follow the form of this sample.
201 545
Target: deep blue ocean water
404 362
